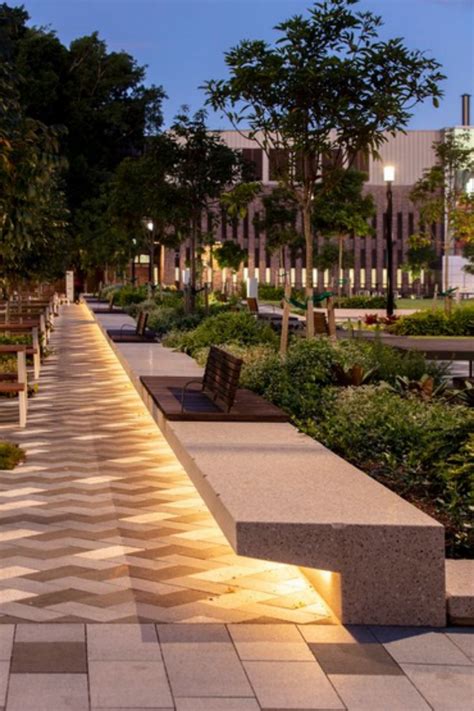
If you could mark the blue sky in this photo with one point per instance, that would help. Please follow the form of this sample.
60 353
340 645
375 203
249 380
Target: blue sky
183 41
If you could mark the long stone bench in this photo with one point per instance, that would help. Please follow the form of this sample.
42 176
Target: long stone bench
279 495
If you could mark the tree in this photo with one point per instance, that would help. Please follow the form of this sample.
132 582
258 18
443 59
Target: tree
439 194
421 255
205 168
230 256
145 192
33 215
340 209
327 89
280 223
101 99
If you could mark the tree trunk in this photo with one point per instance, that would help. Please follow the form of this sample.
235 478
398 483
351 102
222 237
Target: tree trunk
192 293
339 265
447 247
161 268
286 307
308 236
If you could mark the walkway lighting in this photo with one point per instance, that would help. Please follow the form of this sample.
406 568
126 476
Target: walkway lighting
389 177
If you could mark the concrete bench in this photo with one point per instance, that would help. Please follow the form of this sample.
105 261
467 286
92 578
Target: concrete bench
279 495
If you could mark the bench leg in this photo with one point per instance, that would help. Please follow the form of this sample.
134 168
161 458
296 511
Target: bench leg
37 354
23 395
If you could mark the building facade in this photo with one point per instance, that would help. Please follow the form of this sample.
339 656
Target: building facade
409 153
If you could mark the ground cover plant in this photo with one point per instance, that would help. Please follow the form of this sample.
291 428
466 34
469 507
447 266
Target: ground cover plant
10 455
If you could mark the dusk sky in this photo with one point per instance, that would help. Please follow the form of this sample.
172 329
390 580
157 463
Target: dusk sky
183 41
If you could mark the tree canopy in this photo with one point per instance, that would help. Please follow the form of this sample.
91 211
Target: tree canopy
327 90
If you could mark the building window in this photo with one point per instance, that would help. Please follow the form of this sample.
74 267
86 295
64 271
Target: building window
361 162
253 158
278 163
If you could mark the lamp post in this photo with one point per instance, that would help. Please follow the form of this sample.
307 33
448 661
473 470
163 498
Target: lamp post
133 275
389 177
150 226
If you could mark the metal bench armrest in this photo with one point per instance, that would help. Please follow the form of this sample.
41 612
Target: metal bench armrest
126 325
185 387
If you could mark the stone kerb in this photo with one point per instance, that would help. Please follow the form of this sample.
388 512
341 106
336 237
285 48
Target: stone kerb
279 495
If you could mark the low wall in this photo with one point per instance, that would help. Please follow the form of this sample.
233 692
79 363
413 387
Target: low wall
280 495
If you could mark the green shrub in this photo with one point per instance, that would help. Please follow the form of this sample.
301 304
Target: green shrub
127 295
229 327
10 455
361 302
436 323
296 382
268 292
412 446
163 319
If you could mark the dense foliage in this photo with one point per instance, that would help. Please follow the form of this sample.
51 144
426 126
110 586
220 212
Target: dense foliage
230 327
68 117
460 322
412 446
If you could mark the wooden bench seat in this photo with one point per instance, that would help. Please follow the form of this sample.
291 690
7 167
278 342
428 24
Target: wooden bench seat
9 386
110 309
219 398
140 335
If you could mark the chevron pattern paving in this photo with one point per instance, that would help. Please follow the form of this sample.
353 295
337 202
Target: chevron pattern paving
102 524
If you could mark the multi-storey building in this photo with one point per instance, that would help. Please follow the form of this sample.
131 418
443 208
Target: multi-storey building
410 153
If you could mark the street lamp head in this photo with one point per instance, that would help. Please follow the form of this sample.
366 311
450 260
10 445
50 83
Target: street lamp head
149 225
389 173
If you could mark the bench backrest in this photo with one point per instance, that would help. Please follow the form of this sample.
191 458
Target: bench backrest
320 324
221 376
142 321
252 303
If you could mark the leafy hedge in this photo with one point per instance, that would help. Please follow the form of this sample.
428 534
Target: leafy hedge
267 292
436 323
361 302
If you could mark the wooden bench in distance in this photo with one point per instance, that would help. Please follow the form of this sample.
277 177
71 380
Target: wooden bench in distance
34 349
110 309
218 399
20 386
140 335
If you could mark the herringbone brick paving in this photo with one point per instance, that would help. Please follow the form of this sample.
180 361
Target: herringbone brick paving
102 524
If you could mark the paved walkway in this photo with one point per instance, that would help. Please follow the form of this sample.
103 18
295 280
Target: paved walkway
104 540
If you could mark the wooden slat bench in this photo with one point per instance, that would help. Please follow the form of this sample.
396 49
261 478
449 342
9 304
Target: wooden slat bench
33 350
110 309
218 399
140 335
20 385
